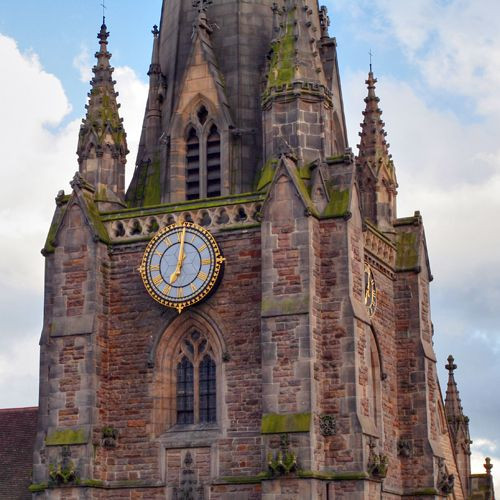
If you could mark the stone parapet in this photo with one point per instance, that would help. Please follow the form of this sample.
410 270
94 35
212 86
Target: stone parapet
216 215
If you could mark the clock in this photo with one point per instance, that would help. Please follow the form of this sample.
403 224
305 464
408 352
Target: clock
181 265
370 291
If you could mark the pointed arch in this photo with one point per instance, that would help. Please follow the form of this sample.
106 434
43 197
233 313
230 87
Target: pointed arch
201 114
188 373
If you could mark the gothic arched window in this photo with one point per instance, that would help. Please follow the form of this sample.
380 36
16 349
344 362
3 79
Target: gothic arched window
203 157
196 381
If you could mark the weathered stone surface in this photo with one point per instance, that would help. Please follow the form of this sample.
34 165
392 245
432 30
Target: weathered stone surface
317 396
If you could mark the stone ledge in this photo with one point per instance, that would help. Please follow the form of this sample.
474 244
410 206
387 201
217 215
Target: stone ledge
67 437
97 484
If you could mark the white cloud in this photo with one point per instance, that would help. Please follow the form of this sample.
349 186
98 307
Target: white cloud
133 94
482 448
38 159
455 44
83 64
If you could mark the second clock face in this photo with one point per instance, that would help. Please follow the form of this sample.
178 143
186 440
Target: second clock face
181 265
370 291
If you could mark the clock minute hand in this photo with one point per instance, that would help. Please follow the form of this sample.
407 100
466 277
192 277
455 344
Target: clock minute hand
180 259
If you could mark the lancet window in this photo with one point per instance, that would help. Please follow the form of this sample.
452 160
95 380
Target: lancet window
203 158
196 381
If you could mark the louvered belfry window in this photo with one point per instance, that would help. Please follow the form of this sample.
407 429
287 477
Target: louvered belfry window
203 158
193 166
213 163
196 381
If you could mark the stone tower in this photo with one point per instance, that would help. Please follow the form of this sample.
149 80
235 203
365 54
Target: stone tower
308 371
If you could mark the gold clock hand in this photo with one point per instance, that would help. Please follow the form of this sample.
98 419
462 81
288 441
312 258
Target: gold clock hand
180 259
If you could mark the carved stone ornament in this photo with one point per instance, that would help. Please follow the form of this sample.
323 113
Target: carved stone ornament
284 462
378 464
327 425
404 448
109 437
65 472
79 182
189 488
445 481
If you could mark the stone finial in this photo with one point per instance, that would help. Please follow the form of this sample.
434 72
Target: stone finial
103 35
451 366
155 31
488 466
324 21
202 5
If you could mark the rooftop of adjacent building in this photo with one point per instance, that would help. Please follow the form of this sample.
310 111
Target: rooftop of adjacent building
17 436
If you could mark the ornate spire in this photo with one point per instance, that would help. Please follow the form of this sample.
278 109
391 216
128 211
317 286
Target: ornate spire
453 404
102 145
373 148
458 424
375 169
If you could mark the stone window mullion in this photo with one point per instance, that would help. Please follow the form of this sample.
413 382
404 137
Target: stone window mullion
197 392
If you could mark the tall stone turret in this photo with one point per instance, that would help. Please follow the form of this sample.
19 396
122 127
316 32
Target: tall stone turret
102 143
297 100
376 174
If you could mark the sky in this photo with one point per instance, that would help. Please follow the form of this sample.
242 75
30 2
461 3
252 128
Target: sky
438 69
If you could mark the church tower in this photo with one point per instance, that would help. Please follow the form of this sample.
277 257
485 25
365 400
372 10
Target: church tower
250 319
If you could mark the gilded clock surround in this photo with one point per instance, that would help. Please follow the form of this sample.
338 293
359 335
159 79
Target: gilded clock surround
181 265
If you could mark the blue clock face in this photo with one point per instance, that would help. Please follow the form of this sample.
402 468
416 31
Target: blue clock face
181 265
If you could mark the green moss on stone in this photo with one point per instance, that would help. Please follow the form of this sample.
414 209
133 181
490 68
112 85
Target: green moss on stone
49 246
152 189
274 423
245 479
407 251
333 476
338 206
335 159
38 488
66 437
305 172
282 67
129 213
92 483
266 174
95 218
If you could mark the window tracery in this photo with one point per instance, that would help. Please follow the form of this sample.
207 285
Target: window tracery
196 386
